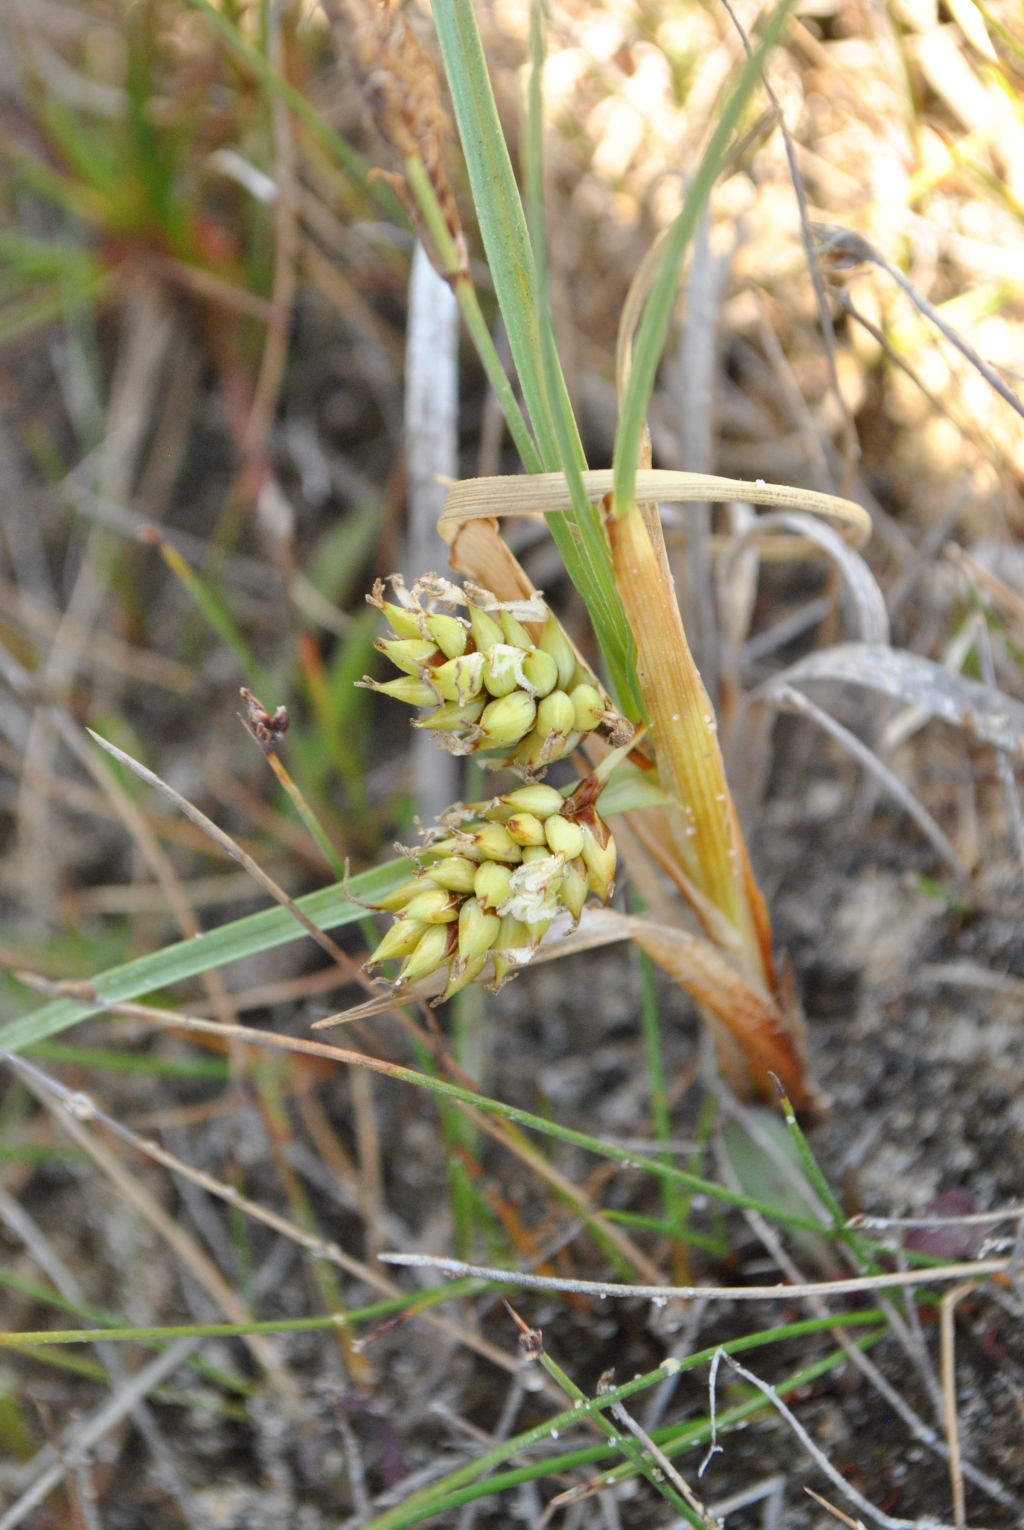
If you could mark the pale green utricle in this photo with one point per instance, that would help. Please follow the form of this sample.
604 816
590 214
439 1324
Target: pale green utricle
514 631
506 721
401 940
450 635
456 872
450 665
491 883
556 714
492 889
587 706
540 800
564 837
452 716
541 671
407 654
434 904
408 689
486 631
525 829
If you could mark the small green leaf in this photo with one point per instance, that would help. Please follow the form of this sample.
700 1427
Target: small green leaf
630 789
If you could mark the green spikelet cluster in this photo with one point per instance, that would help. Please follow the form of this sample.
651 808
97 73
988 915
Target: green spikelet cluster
492 881
491 687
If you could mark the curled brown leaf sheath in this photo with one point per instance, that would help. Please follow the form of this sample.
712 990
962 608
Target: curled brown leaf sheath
707 839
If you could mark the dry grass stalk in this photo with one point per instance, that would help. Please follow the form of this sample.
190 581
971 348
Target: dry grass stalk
948 1333
63 1107
185 1248
706 831
825 1288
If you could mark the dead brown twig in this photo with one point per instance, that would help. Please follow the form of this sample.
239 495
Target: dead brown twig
948 1332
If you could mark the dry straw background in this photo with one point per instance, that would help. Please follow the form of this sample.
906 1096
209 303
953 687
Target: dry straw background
205 329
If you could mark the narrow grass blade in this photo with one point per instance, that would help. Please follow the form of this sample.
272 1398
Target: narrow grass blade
498 207
511 259
116 1060
657 315
158 1335
651 1025
469 305
215 613
587 558
673 1439
330 909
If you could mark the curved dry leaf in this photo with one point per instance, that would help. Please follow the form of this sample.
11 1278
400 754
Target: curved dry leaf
541 493
790 700
867 599
988 714
908 722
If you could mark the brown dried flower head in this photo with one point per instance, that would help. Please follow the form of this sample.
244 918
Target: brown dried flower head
403 91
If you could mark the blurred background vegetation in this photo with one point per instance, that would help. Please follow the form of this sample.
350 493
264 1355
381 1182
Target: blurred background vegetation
204 463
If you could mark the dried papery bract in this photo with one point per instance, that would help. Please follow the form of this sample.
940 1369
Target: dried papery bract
682 727
707 839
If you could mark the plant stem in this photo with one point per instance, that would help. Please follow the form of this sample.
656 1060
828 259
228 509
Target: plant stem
707 834
657 314
309 818
624 1442
672 1439
469 305
651 1024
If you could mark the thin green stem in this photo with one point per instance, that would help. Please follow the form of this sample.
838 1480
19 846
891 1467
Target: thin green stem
719 1248
622 1442
219 618
419 1302
651 1025
702 1136
313 825
672 1440
116 1060
472 314
591 1144
431 1500
811 1167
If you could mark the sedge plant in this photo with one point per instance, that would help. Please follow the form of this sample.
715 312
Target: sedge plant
485 694
506 865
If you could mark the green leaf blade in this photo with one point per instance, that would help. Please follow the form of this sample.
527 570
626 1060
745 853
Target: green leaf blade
657 315
330 909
